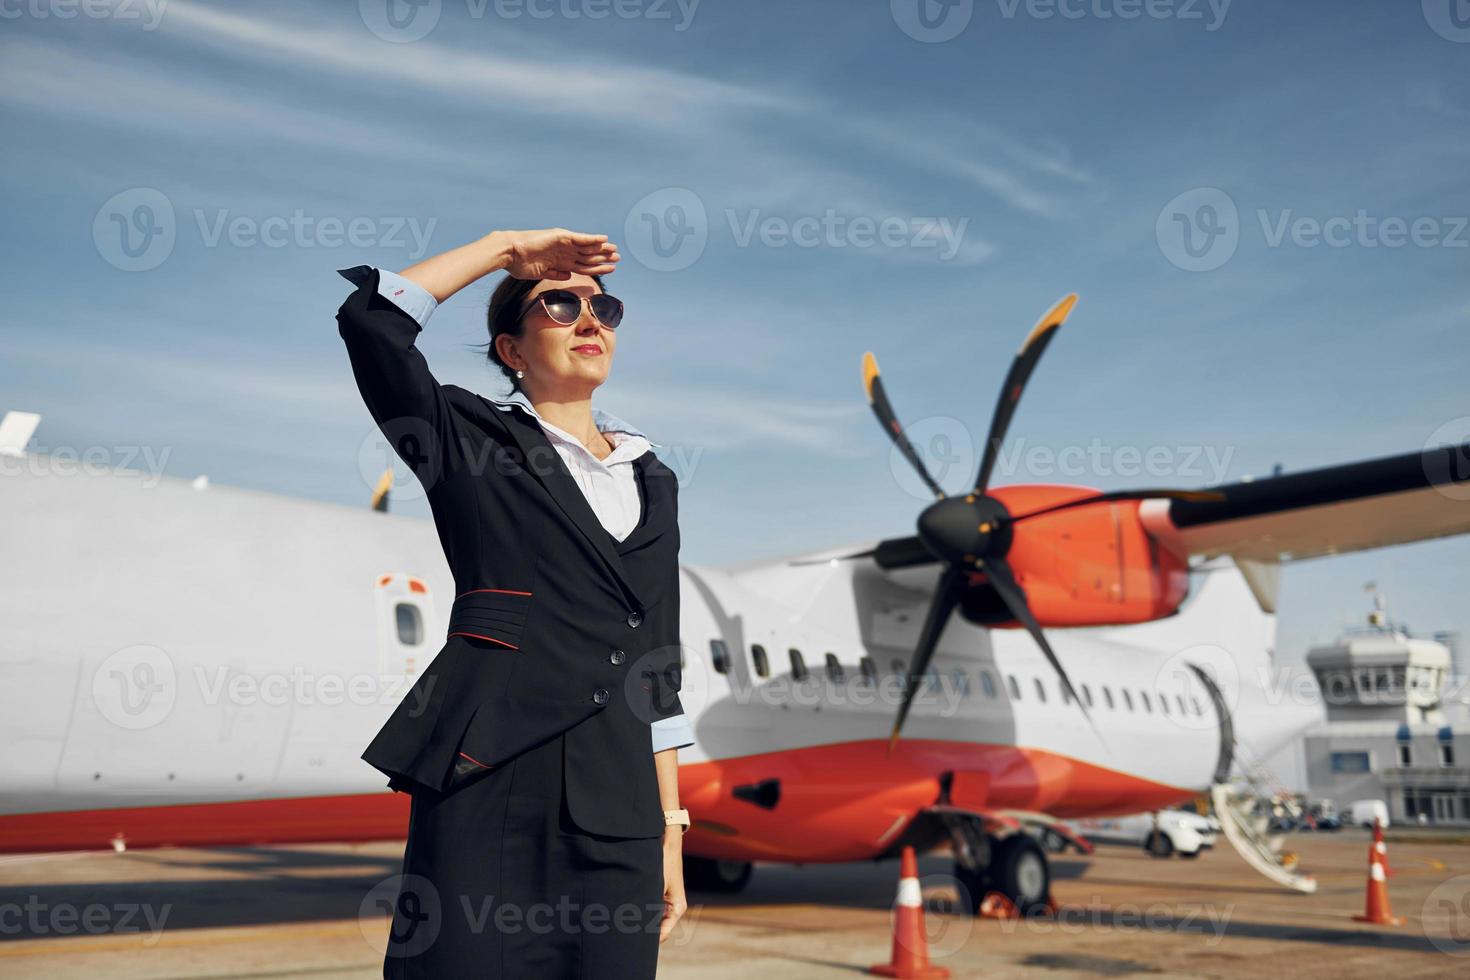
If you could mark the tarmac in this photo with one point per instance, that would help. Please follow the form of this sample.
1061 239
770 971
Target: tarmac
307 911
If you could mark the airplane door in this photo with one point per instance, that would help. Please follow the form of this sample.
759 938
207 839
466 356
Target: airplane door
406 626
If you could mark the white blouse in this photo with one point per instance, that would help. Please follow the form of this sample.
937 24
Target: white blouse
610 485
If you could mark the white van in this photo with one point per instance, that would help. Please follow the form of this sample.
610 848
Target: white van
1167 832
1362 812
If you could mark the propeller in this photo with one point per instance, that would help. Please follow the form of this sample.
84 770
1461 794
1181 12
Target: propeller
971 535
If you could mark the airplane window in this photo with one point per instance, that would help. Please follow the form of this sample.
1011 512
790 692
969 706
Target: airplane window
798 665
720 655
1179 699
1197 709
410 624
834 669
1087 695
762 664
1066 695
870 670
1127 699
1013 687
987 684
1147 705
961 682
1040 690
1108 698
1164 703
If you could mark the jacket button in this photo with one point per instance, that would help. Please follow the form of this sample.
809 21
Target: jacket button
600 695
618 656
634 618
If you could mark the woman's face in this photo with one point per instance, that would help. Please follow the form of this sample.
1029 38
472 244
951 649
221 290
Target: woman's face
559 358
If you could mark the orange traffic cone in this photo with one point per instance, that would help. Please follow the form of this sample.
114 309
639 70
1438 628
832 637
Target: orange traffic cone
1378 911
910 944
1381 848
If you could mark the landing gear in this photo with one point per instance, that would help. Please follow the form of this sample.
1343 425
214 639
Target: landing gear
1018 870
1054 842
711 875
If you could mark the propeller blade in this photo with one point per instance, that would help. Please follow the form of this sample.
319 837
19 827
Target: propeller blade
952 584
1015 385
889 553
878 399
998 570
1193 496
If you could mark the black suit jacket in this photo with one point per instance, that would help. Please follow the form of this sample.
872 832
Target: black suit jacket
556 626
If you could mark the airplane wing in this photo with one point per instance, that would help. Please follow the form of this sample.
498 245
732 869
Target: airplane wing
1329 511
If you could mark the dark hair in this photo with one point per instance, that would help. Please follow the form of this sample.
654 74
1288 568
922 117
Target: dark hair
504 316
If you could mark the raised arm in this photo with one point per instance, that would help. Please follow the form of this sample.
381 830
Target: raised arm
402 395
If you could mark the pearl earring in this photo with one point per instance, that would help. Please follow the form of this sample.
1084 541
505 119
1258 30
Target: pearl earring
520 374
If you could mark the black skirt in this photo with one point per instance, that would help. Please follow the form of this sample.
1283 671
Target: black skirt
499 882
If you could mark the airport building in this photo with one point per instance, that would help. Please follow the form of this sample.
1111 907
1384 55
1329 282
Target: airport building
1397 726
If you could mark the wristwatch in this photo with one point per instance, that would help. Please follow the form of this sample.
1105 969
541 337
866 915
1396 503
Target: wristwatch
680 817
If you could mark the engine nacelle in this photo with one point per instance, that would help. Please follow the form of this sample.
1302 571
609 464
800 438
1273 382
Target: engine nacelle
1085 566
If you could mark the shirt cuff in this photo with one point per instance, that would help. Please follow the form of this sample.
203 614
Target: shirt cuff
407 295
674 732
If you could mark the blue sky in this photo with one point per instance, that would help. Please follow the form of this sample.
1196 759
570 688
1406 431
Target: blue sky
792 184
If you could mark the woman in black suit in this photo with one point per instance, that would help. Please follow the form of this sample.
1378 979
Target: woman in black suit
540 745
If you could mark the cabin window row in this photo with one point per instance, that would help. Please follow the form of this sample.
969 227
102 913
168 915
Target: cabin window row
1167 704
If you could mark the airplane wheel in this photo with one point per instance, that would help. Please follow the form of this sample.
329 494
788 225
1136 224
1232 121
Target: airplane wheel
1020 871
1054 842
1159 845
711 875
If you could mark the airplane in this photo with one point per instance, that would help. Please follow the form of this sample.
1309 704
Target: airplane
186 664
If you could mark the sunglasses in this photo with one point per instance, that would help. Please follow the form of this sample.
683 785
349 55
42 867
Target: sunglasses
565 307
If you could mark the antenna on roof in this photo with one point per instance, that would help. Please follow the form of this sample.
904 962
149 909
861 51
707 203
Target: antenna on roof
381 491
16 430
